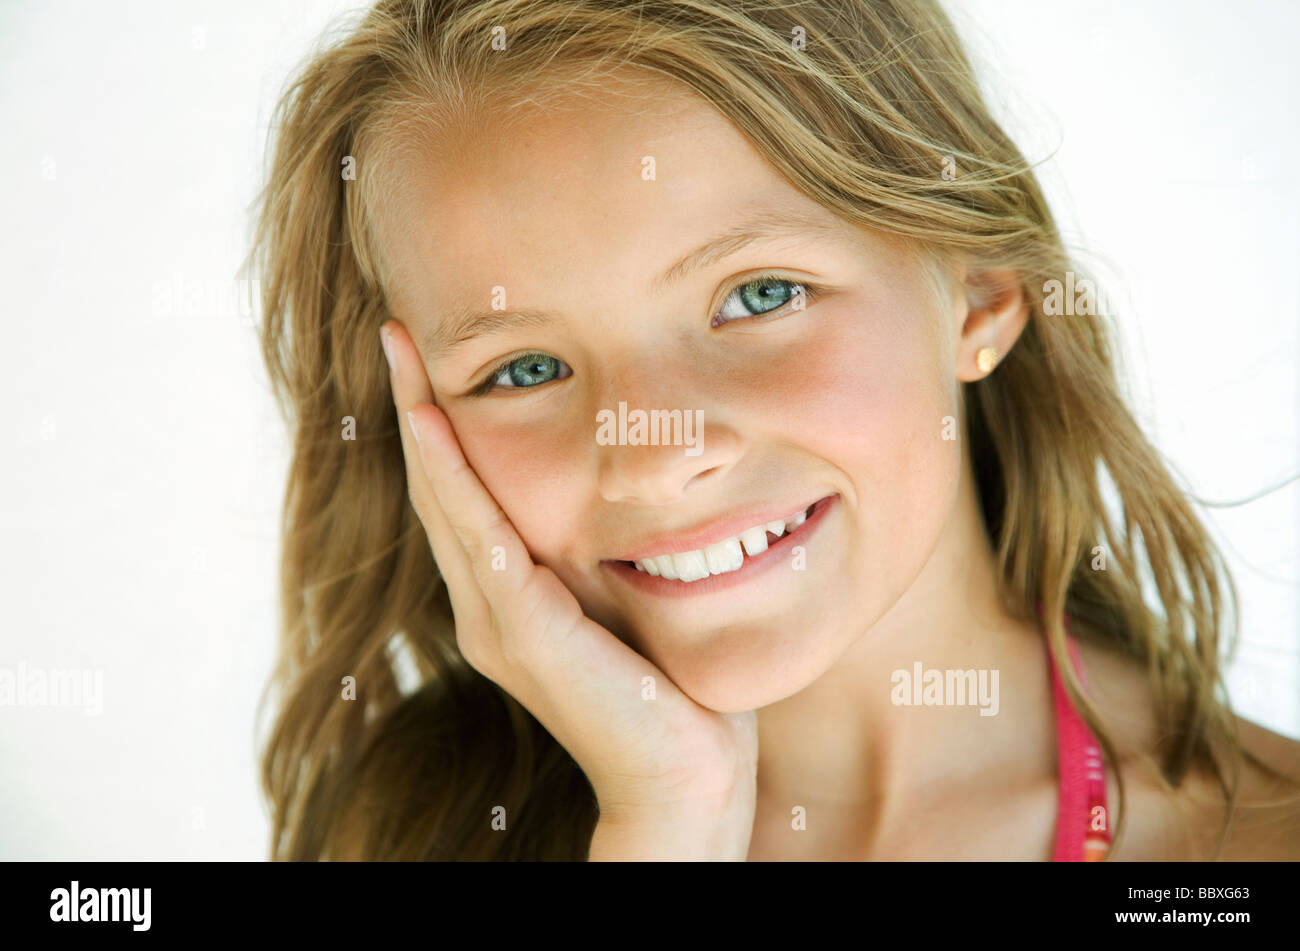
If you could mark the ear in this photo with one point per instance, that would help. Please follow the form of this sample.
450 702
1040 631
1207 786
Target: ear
998 311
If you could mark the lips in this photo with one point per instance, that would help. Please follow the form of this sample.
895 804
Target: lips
717 530
723 556
662 566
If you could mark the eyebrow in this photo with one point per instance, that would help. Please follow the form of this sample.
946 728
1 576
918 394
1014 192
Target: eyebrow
467 323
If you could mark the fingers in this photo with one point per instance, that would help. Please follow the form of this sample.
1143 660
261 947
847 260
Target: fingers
497 558
410 385
500 562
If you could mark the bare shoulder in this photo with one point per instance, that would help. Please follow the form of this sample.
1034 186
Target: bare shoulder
1184 822
1266 821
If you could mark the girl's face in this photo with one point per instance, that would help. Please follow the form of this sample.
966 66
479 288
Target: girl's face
578 217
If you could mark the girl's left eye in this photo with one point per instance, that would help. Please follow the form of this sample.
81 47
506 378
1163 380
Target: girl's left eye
761 296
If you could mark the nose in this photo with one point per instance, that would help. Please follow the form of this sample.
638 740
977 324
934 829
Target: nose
652 454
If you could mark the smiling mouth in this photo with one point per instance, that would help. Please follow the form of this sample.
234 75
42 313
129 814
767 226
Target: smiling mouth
730 554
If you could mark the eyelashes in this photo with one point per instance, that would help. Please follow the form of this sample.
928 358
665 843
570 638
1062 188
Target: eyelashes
766 282
531 362
534 363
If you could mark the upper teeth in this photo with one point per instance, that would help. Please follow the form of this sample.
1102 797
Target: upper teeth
718 558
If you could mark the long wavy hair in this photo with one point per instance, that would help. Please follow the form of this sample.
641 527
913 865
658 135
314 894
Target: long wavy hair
860 104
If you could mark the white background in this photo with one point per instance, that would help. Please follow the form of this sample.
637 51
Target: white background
144 464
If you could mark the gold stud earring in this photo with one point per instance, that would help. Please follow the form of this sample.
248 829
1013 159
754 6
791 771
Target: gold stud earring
986 359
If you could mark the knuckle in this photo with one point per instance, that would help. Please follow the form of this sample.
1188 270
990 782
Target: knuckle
497 521
473 556
471 647
513 648
538 621
459 532
517 636
457 468
544 606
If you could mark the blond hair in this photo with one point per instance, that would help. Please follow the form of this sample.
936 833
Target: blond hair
862 117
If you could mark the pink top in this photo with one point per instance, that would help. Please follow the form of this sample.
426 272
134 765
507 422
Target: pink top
1083 822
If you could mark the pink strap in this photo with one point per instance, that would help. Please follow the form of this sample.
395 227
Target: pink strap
1083 822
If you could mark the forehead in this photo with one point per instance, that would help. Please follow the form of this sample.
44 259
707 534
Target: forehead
603 184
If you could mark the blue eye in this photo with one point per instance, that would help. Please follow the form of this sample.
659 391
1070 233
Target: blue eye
529 370
758 297
761 296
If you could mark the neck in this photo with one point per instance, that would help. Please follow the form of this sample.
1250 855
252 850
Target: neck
844 743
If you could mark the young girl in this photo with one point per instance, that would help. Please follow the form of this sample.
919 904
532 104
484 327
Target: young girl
677 388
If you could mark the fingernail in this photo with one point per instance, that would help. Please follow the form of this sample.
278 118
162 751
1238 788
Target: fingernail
410 419
387 340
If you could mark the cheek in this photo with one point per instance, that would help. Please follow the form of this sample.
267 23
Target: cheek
526 469
869 397
866 392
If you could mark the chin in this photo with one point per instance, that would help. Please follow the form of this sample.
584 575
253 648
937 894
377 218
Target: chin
728 695
734 672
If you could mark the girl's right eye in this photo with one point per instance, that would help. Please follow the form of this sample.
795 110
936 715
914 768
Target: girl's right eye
529 370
